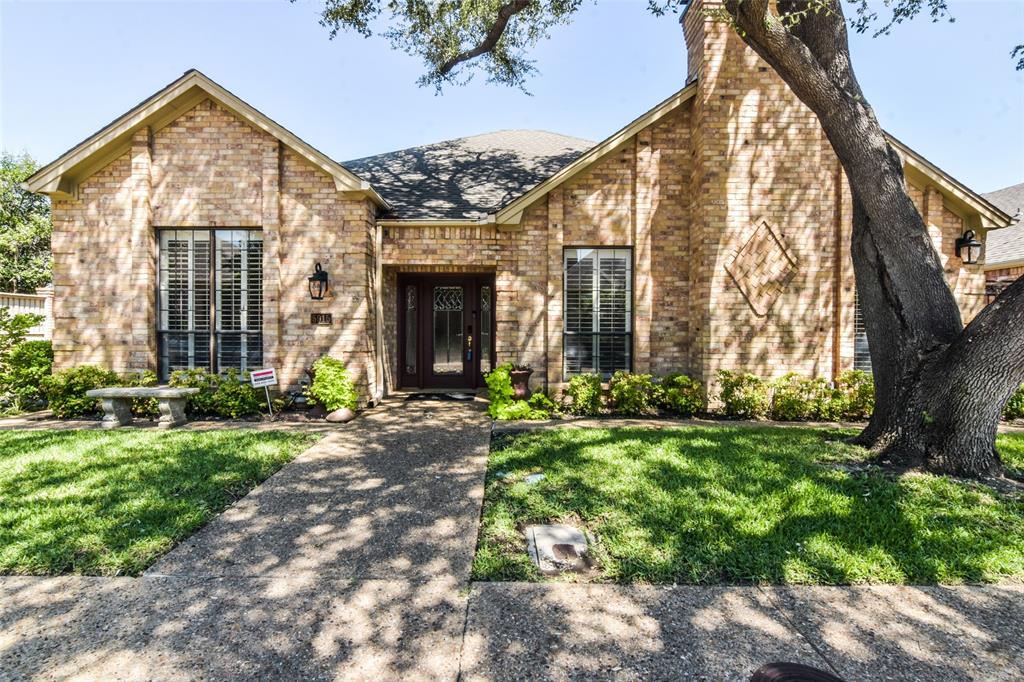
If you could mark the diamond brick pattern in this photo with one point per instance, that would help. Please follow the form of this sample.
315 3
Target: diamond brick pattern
762 268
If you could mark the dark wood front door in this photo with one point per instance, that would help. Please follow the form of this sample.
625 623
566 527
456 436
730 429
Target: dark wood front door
445 330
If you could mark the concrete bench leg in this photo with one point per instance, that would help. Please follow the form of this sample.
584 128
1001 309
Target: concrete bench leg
172 412
116 412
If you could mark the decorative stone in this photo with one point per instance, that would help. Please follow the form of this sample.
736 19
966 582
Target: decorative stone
116 412
172 412
558 548
341 415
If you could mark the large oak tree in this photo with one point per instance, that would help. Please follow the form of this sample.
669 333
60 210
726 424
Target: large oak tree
940 386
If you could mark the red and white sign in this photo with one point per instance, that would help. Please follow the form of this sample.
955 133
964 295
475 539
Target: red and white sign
263 377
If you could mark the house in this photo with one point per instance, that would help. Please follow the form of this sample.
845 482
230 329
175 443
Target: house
1004 252
712 232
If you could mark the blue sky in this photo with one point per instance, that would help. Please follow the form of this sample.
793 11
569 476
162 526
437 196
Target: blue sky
67 69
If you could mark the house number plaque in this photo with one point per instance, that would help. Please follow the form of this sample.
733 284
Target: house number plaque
320 318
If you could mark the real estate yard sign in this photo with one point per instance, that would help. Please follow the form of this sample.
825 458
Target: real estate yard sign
265 378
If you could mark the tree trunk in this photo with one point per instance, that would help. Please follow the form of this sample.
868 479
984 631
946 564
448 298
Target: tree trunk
939 388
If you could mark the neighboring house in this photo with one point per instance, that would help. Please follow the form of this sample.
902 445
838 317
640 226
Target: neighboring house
1004 249
710 233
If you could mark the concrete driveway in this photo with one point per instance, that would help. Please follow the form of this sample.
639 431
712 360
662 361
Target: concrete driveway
353 562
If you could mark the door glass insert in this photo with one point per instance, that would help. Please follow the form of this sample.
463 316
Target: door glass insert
485 328
410 329
448 330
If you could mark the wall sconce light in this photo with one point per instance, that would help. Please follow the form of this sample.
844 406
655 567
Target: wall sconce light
318 284
970 243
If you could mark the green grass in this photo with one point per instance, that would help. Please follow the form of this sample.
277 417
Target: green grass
112 502
735 505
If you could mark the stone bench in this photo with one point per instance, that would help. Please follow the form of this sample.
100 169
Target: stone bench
117 408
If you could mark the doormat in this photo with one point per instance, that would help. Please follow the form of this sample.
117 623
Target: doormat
440 396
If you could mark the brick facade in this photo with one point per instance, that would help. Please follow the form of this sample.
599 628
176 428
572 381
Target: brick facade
733 204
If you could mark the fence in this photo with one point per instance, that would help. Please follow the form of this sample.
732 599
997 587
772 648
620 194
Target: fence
39 303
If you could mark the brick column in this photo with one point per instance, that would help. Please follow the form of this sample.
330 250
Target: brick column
271 224
643 284
553 319
142 291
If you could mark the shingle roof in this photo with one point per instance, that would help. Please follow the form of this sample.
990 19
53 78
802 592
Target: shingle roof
1006 245
468 177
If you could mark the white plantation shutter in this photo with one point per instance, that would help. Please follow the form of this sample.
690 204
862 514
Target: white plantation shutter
598 315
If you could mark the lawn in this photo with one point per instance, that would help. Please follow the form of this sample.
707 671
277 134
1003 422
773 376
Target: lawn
112 502
735 505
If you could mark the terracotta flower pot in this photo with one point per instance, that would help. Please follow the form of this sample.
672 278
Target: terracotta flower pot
521 383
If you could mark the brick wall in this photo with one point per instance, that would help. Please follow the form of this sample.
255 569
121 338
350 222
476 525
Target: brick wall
209 169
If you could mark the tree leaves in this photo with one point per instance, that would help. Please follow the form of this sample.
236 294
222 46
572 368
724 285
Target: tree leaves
25 229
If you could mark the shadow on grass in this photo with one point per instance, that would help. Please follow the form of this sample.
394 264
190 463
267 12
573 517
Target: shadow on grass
711 505
109 503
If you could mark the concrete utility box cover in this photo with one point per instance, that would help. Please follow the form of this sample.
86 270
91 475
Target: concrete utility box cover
558 548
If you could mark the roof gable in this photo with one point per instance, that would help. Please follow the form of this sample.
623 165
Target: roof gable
61 177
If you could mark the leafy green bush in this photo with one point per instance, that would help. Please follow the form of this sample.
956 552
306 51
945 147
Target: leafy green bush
235 397
229 395
499 390
680 395
142 407
857 389
1015 405
332 387
201 404
583 394
539 406
13 330
65 390
797 398
505 407
632 393
745 396
23 372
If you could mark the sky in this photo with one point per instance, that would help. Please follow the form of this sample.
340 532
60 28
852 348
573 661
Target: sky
68 68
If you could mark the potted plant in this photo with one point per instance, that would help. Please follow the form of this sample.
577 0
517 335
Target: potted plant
520 375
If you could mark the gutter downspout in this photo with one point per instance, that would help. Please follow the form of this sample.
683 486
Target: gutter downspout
378 283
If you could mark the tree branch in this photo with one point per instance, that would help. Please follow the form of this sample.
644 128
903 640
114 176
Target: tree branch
494 33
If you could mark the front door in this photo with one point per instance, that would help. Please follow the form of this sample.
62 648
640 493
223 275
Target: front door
445 330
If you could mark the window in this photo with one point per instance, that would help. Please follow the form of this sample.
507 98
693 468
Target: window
211 300
598 319
861 354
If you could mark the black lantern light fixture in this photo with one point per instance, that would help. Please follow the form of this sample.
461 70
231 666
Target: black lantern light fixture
318 283
968 248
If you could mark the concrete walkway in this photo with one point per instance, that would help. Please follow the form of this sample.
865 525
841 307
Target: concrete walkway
353 562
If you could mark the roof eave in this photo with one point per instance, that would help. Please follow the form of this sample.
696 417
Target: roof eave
989 216
510 215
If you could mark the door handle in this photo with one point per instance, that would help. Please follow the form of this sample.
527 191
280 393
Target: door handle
469 344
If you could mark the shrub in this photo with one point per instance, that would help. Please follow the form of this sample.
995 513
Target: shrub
584 394
745 396
201 404
332 387
142 407
632 393
13 330
680 395
23 372
65 390
505 407
499 390
229 395
857 389
235 397
796 398
1014 408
